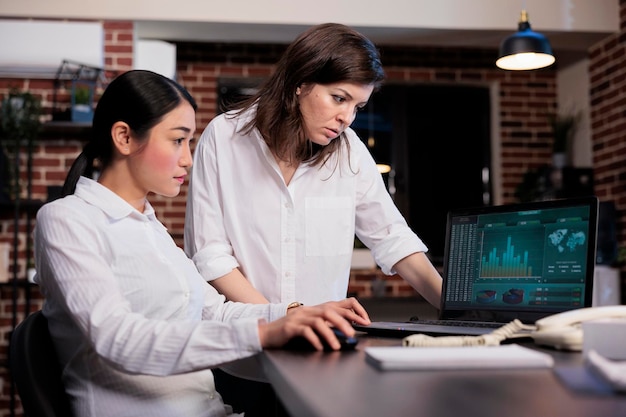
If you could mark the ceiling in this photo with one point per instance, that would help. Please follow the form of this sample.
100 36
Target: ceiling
569 47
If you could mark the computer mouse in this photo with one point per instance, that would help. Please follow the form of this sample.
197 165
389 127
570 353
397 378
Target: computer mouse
302 343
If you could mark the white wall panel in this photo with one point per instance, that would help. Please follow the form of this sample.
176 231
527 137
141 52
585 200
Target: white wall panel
157 56
38 48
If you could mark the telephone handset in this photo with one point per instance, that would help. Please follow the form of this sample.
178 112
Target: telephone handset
564 330
561 331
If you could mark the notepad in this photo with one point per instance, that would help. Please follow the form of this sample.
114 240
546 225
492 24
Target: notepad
399 358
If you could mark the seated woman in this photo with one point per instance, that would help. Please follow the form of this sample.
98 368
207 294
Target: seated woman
136 327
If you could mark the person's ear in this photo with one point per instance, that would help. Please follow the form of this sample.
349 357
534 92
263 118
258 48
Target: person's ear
120 133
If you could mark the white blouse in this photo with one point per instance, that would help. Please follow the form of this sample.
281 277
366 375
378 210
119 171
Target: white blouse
135 326
292 242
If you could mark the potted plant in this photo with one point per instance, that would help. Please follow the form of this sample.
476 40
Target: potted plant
535 184
19 128
563 128
82 99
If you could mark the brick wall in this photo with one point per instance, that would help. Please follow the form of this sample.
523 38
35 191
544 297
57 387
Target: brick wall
607 74
524 99
52 157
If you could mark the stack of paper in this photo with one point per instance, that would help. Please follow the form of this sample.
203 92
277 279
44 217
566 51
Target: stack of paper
471 357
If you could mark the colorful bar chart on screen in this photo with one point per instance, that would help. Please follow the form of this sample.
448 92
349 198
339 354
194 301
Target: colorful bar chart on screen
503 258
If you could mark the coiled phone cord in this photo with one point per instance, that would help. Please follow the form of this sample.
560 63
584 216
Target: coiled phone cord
513 329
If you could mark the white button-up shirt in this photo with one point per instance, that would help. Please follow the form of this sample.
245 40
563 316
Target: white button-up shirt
292 242
135 326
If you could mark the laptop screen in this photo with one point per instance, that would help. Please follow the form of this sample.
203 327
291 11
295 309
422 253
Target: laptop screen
522 261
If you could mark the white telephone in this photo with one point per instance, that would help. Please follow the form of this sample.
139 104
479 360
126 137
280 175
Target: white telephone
564 330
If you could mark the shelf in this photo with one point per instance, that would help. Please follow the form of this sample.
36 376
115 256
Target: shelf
25 206
21 282
65 130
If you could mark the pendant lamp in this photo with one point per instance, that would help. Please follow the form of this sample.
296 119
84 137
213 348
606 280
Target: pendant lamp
525 50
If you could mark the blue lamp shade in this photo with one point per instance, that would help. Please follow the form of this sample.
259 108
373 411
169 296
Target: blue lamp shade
525 49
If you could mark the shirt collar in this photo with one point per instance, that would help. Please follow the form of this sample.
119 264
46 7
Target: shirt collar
112 204
243 117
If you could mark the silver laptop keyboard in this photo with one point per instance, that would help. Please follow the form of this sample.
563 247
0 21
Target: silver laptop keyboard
461 323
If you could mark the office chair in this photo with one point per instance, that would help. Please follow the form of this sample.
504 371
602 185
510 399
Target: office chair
35 369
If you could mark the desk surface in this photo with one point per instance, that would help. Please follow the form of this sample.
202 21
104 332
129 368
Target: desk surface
319 384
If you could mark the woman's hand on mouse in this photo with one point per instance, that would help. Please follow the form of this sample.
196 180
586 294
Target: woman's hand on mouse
314 323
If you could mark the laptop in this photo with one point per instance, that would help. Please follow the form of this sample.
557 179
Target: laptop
519 261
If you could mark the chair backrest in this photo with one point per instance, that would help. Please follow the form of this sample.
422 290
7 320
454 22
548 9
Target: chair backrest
35 369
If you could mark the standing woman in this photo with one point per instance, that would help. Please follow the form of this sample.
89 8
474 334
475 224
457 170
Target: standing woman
281 184
135 326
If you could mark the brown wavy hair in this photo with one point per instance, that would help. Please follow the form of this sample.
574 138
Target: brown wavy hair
324 54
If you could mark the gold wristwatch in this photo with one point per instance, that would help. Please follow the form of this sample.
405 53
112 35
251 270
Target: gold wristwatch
295 304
